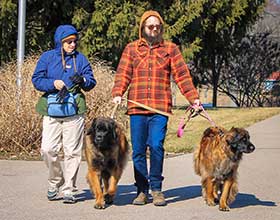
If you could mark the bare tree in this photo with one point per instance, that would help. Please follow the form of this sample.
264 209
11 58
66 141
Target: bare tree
252 61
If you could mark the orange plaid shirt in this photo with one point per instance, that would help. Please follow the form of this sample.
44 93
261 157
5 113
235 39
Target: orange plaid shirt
147 70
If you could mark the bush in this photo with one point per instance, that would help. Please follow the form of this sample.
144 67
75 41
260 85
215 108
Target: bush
21 125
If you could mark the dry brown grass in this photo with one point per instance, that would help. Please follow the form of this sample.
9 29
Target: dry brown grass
21 125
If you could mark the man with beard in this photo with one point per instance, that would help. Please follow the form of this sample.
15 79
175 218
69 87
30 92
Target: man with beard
146 67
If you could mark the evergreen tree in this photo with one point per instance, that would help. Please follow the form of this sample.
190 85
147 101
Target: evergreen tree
8 21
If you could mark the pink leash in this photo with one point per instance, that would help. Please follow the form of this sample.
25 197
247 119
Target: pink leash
192 114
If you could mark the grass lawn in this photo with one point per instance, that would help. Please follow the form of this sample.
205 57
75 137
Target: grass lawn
225 117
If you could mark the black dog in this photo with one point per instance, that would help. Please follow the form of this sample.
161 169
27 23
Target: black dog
106 154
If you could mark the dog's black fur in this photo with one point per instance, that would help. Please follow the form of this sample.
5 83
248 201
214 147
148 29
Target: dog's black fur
104 133
106 153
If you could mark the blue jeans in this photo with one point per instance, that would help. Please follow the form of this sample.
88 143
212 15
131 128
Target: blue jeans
148 131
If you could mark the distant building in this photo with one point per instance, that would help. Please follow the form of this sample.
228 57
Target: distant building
272 81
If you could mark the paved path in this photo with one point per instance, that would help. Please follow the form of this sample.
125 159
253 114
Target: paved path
23 189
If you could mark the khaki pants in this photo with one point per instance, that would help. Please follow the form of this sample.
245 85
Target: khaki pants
67 132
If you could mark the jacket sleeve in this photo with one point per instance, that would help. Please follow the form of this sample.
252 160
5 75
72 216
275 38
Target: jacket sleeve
124 73
182 76
40 78
87 73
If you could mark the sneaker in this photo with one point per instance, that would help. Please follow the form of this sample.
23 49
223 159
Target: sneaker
52 193
141 199
69 199
158 198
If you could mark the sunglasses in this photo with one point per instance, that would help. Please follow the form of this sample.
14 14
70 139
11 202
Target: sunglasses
152 27
71 41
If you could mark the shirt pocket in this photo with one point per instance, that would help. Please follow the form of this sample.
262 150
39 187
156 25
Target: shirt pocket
162 60
139 61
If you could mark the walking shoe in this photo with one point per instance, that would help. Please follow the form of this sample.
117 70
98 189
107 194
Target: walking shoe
69 199
141 199
52 193
158 198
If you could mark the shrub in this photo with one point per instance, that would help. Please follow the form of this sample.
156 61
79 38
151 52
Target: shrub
21 125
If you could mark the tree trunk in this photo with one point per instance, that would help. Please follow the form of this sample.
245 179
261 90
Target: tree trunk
214 98
215 79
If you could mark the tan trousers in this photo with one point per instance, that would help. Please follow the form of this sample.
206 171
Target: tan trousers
67 133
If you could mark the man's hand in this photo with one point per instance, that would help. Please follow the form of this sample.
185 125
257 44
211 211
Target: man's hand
197 107
77 79
62 94
117 100
196 102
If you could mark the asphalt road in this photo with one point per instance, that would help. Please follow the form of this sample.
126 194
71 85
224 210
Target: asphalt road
23 186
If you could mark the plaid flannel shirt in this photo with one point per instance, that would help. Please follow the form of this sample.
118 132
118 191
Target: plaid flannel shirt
147 70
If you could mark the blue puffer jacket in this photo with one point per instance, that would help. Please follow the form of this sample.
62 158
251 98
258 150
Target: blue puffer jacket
50 68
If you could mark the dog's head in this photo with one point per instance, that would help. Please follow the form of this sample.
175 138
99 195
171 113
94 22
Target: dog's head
103 132
239 141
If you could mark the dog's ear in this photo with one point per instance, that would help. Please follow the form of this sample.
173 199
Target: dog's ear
91 129
114 130
237 134
229 139
231 136
234 138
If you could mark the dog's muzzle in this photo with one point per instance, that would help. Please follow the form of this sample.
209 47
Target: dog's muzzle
249 149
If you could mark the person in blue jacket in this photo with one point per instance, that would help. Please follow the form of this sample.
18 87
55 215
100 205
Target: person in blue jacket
61 71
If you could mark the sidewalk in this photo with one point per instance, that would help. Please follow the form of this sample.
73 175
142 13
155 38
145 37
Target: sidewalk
23 189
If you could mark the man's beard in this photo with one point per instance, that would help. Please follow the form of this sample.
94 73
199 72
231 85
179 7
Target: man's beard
152 39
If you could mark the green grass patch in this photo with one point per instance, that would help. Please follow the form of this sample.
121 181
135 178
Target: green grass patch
225 117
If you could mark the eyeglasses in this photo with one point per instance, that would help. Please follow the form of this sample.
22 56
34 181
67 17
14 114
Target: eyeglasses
152 26
71 41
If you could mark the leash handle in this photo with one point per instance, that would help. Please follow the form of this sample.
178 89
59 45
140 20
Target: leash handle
182 123
141 105
148 107
191 108
206 115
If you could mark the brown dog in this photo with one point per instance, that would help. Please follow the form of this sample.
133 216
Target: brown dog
106 154
216 160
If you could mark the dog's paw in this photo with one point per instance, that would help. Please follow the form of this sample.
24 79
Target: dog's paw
108 199
216 200
224 208
99 205
210 202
